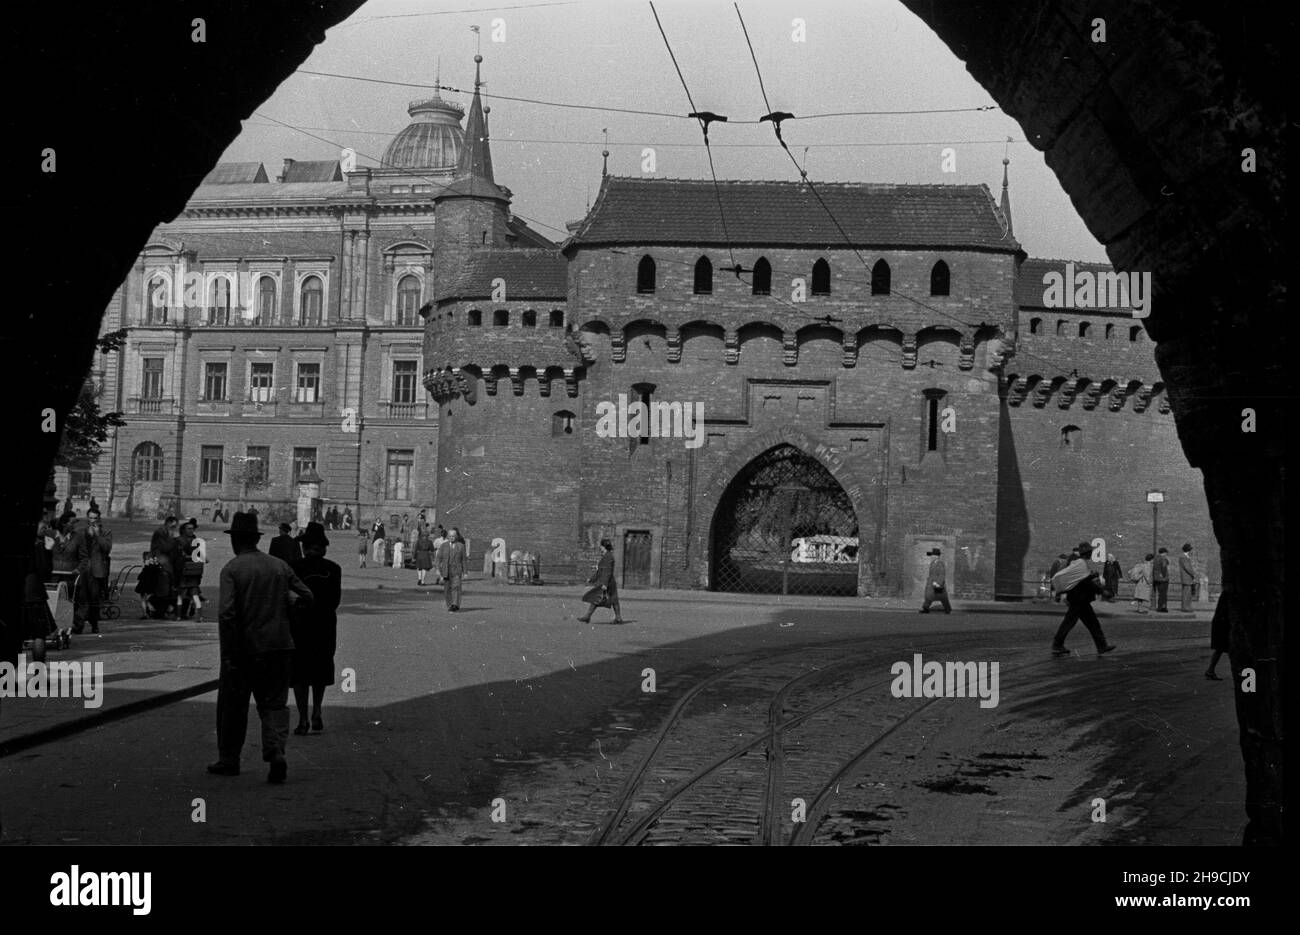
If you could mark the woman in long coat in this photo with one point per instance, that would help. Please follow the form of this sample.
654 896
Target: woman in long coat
423 555
605 592
1140 575
315 629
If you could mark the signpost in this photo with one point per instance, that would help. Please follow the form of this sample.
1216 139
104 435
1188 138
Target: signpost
1155 498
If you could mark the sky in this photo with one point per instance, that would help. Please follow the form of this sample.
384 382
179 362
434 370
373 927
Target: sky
856 55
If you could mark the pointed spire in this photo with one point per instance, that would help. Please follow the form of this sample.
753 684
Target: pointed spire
1006 196
476 157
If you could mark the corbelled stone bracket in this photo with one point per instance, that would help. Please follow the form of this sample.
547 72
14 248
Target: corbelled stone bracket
674 346
909 352
731 349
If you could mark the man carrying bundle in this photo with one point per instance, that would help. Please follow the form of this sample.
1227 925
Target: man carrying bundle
1080 584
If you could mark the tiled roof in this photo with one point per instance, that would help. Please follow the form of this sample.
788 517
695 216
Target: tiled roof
1030 288
529 237
263 243
207 195
230 173
686 211
314 171
529 274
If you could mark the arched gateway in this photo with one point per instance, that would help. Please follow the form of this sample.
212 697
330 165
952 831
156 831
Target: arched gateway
785 525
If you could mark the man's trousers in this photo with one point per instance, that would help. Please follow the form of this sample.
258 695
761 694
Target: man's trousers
265 677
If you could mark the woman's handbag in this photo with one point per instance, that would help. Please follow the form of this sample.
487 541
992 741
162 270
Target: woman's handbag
598 596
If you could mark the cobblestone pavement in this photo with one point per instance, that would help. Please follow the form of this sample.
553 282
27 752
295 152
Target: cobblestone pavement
512 707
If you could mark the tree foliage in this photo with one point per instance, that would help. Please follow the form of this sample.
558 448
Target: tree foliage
85 428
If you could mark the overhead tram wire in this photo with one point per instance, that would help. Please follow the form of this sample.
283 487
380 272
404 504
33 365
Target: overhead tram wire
776 118
705 118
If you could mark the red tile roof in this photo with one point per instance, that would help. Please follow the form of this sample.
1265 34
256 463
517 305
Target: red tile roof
686 211
528 273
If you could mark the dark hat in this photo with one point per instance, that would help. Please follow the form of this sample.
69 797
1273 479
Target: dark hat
1187 547
605 543
315 535
243 524
1084 548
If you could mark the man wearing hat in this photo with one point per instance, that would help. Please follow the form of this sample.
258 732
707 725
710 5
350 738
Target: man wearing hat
1082 584
936 584
256 649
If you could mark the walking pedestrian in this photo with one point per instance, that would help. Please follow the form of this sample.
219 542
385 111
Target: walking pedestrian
194 555
284 546
347 517
1187 576
377 538
423 556
94 544
1160 579
162 554
439 537
256 649
1220 624
399 553
605 590
936 584
218 511
1110 575
451 567
315 627
1140 575
1080 584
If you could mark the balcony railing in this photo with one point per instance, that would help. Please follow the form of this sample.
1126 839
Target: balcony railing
152 405
407 410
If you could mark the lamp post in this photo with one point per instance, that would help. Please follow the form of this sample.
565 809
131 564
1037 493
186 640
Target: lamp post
1155 498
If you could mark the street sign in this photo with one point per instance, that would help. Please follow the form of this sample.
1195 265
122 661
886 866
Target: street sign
1155 496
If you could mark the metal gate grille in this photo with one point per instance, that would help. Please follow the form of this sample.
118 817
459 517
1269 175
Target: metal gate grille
785 526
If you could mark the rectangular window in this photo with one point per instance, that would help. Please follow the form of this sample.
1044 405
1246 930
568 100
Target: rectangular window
308 383
214 382
400 463
405 375
211 462
258 464
304 460
151 386
932 433
79 482
261 381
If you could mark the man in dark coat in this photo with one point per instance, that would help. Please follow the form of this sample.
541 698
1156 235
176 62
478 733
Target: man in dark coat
94 544
256 649
936 584
1186 578
284 546
1160 579
605 587
1078 600
451 566
164 547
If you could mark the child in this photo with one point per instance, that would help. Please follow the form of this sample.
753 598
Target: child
363 546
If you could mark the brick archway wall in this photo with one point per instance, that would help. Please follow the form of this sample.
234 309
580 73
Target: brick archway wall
1145 133
711 492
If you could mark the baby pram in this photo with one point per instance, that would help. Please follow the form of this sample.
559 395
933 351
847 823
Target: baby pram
48 622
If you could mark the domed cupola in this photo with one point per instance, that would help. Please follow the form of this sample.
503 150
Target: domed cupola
434 140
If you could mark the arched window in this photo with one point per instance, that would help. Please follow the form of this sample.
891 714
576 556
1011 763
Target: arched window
1135 333
939 279
501 318
312 301
762 277
562 423
266 299
1084 329
530 319
880 278
557 318
1110 332
645 275
821 278
1060 327
156 301
147 462
1072 438
408 299
219 301
1035 325
475 318
703 276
